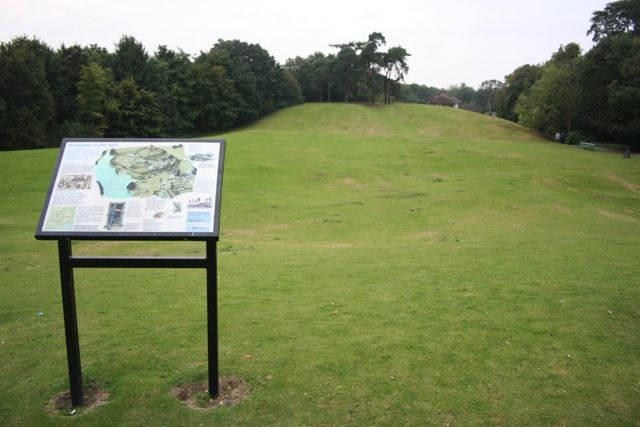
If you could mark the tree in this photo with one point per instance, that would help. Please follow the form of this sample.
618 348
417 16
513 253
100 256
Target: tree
487 95
353 73
371 61
288 90
254 74
394 63
463 92
566 55
315 74
619 17
608 74
135 113
213 97
26 104
301 71
515 84
597 94
551 103
347 71
93 100
70 60
169 77
98 54
130 61
623 104
418 93
598 69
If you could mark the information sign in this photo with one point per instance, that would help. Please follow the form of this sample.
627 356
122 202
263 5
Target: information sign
134 188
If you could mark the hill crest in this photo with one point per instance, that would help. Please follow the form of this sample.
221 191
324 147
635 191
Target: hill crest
394 120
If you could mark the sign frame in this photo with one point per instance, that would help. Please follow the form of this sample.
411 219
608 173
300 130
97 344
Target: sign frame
68 261
43 234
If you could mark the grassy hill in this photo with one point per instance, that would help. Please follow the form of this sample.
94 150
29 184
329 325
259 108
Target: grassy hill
387 265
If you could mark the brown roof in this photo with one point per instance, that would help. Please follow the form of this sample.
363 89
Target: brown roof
443 99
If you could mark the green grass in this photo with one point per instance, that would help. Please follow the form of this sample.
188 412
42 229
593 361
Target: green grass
397 265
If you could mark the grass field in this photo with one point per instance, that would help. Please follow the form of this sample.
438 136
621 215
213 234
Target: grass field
397 265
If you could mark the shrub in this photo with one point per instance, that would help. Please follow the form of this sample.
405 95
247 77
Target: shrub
574 137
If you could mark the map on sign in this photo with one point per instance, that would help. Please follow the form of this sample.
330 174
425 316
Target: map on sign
138 187
145 171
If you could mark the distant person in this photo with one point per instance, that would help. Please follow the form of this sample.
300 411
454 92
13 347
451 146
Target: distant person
557 137
563 136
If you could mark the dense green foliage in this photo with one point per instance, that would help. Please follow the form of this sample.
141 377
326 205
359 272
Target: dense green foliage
417 93
515 84
46 94
619 17
359 72
551 102
597 93
26 103
87 91
402 265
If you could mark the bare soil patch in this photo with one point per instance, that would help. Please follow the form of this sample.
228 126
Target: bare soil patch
626 184
94 396
615 215
232 390
560 208
352 183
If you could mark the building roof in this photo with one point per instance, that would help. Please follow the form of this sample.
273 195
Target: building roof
443 99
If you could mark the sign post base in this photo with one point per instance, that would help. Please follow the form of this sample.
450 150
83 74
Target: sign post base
68 262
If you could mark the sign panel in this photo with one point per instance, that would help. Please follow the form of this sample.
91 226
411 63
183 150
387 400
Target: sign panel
134 188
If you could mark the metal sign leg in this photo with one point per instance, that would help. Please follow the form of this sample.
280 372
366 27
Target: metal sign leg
70 322
67 263
212 317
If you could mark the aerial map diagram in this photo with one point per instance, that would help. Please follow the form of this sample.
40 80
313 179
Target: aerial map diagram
145 171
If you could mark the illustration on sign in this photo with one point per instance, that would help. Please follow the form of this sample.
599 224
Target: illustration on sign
135 187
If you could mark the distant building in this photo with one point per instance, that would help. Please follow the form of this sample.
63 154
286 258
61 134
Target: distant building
444 100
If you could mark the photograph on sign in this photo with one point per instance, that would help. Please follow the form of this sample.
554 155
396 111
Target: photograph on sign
135 186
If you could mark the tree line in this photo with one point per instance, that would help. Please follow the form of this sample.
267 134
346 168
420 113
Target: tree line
87 91
592 96
481 100
360 71
595 95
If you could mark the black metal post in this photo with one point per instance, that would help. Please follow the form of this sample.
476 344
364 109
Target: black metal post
70 322
212 317
68 262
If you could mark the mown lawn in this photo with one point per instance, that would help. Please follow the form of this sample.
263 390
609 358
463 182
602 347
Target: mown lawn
400 265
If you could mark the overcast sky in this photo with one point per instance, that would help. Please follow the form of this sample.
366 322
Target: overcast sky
450 41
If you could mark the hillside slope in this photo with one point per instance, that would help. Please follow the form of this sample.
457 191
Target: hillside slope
463 164
393 120
387 265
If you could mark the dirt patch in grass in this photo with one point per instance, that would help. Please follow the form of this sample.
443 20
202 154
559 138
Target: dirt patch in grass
94 396
232 390
560 208
352 183
510 155
426 235
626 184
331 245
615 215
